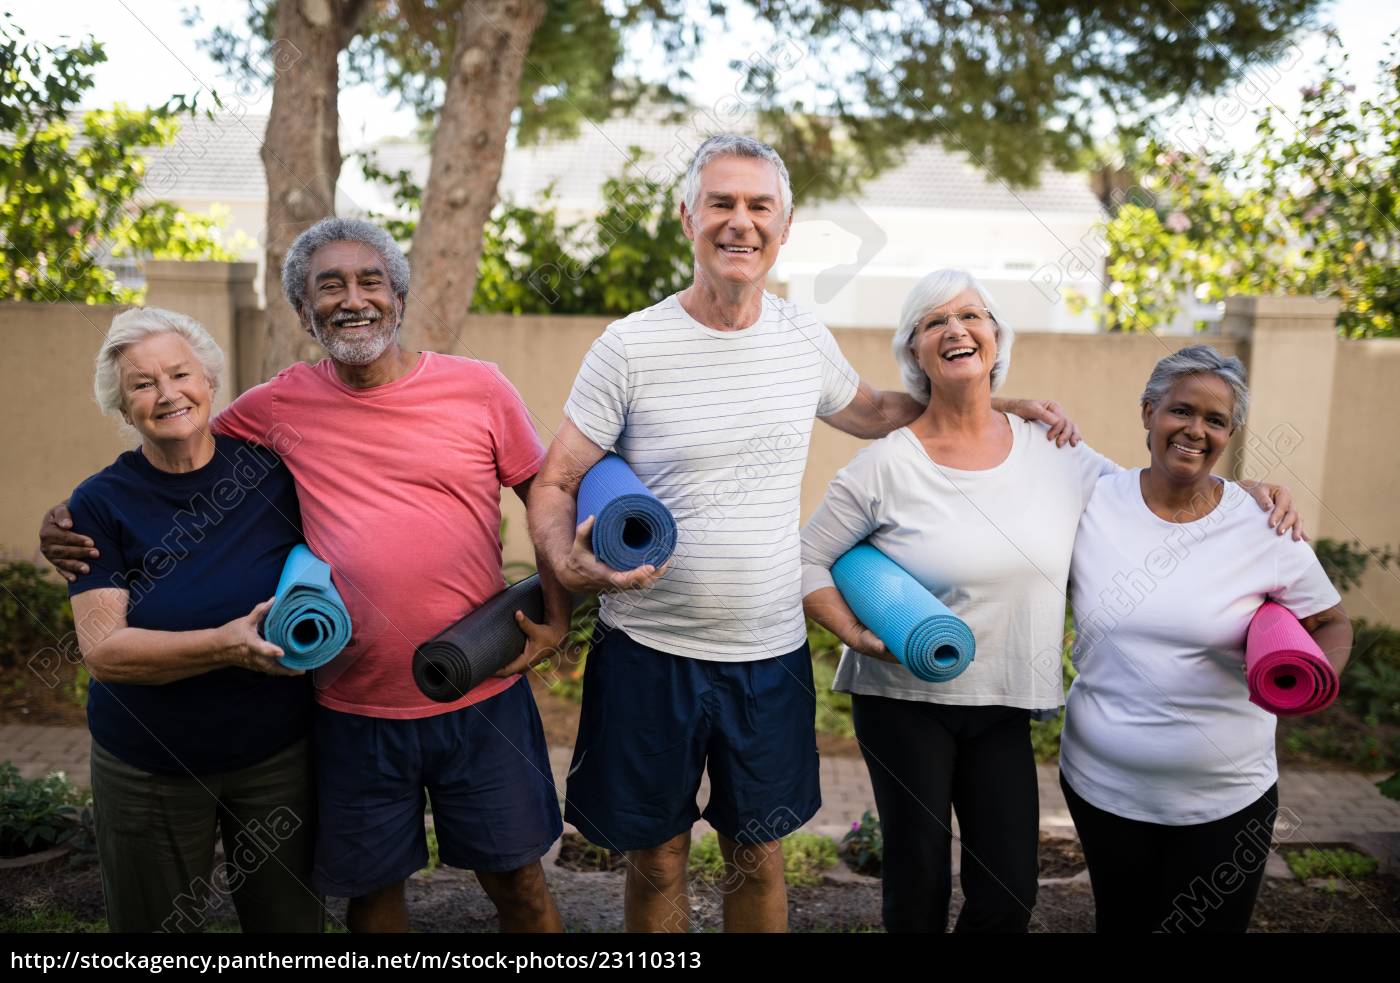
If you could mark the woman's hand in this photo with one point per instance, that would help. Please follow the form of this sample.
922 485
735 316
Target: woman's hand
866 642
1277 500
242 646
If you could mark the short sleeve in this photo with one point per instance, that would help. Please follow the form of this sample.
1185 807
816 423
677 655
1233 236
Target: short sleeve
94 520
250 417
1092 466
597 404
840 381
1301 585
846 516
519 452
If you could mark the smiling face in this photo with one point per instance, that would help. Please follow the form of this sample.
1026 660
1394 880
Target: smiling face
738 225
165 394
1188 430
956 342
352 310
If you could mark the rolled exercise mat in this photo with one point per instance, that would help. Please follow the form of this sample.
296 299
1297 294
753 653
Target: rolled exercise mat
928 639
1287 673
307 620
633 527
456 660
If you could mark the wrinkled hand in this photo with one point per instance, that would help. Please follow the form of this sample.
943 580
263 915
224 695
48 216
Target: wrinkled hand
62 547
868 643
245 648
1062 429
584 573
1277 500
541 642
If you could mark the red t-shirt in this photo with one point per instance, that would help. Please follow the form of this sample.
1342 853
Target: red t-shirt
400 493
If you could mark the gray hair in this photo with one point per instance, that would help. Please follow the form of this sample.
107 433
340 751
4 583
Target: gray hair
138 324
297 266
1199 360
931 292
733 145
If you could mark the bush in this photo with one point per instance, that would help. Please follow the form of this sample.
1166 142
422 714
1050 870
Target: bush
864 846
34 613
805 857
1339 862
833 708
1371 683
38 813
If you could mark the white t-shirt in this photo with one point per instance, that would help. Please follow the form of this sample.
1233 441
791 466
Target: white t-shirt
1158 724
717 425
992 545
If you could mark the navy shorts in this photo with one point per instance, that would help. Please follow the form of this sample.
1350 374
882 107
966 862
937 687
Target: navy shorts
485 766
650 723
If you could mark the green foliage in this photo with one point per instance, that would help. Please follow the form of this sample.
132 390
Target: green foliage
1371 683
1346 563
434 860
864 846
805 857
1390 787
1310 209
73 190
34 613
1337 862
833 708
630 255
38 813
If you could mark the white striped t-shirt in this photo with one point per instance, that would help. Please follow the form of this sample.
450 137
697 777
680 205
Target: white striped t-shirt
716 424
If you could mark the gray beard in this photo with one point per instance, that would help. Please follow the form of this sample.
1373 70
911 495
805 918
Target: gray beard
362 351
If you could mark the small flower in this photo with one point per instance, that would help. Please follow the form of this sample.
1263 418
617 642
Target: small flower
1177 222
855 825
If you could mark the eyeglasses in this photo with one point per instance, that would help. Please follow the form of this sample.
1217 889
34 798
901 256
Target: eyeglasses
968 317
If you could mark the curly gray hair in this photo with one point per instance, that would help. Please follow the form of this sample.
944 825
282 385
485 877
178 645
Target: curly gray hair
297 266
138 324
1200 360
733 145
931 292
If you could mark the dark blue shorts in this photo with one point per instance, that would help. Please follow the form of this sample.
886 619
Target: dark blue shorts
652 721
486 767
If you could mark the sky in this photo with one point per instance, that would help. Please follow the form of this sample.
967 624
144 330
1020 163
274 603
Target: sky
152 55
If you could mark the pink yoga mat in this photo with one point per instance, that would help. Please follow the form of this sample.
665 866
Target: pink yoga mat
1287 673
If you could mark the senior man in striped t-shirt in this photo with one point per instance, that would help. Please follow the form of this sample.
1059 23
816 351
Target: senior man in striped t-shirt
709 396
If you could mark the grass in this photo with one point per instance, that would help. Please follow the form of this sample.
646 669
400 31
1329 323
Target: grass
1313 862
806 856
49 918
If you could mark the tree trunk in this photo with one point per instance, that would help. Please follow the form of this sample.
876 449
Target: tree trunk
301 151
493 37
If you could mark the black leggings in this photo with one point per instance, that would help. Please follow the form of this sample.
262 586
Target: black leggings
1153 878
927 758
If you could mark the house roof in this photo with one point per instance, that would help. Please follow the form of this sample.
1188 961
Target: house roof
211 158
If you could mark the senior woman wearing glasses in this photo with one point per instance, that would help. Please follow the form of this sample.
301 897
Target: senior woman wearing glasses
982 511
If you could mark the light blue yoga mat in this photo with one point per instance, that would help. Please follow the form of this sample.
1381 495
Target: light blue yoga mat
633 527
308 620
928 639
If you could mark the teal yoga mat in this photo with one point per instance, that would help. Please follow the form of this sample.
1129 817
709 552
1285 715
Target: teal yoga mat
308 620
928 639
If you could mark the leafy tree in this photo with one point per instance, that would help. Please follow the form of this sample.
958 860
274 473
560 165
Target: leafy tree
847 88
74 190
1310 208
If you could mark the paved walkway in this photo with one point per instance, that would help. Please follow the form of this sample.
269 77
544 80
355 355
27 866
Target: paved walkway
1321 806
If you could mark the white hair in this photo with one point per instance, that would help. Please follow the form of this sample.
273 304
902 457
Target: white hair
1199 360
296 267
138 324
931 292
733 145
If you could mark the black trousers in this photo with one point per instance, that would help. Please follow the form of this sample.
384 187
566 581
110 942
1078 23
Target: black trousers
1153 878
927 759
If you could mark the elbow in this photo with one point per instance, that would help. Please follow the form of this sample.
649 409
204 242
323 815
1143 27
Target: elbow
99 665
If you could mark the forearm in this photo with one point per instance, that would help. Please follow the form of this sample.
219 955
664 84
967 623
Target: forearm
1334 637
828 608
558 602
144 657
551 520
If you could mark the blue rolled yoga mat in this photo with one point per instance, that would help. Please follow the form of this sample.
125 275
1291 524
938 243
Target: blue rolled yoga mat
928 639
308 620
633 526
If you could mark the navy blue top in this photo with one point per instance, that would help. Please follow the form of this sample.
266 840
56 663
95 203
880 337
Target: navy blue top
194 550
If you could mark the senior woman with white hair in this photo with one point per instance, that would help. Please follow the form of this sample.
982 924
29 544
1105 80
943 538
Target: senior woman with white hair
1167 767
980 510
196 726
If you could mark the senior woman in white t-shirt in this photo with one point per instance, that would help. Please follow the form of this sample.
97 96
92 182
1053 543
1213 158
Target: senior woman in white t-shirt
982 510
1167 767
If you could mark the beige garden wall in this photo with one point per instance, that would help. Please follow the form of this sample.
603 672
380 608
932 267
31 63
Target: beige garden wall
1343 462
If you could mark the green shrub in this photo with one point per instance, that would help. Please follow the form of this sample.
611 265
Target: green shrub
805 857
1337 862
1371 683
38 813
864 846
34 613
833 708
